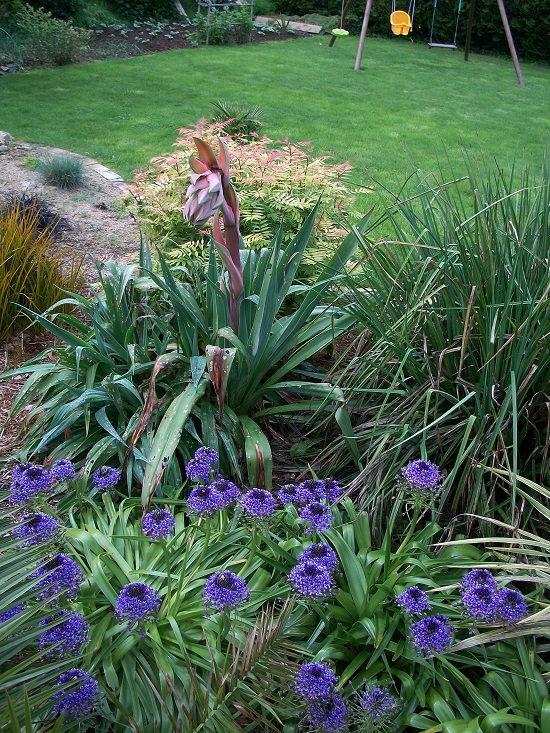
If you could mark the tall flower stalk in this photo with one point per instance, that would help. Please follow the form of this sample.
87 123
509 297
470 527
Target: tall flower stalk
212 194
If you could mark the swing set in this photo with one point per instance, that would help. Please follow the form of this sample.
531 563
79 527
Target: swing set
401 22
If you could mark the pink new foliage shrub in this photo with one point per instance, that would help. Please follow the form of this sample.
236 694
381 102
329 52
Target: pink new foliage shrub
277 183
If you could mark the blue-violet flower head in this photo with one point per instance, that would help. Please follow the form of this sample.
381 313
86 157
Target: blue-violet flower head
413 601
480 601
317 515
66 638
377 707
432 635
136 604
200 467
80 696
224 591
290 494
315 680
62 470
36 528
59 575
511 606
158 524
423 477
321 554
29 480
258 503
204 500
229 493
311 580
106 477
478 577
328 715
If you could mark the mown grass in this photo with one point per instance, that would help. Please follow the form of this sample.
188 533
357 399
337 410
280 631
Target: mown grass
408 102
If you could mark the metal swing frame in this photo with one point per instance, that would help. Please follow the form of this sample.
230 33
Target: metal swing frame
434 44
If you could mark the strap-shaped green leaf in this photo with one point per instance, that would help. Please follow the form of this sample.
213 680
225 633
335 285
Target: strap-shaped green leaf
168 436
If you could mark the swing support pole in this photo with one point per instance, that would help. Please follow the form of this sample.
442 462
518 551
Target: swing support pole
342 19
362 37
507 30
510 40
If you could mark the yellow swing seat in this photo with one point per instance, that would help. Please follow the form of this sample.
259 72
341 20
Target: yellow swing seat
400 23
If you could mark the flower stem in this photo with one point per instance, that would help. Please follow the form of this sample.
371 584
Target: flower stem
412 527
252 551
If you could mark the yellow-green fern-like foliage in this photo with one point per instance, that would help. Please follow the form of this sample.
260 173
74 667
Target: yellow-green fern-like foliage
277 183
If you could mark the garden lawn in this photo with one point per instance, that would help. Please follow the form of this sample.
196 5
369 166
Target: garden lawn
407 102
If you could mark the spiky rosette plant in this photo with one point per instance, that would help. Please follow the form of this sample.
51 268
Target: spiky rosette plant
161 363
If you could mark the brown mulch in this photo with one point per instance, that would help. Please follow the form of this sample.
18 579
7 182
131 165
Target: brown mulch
116 42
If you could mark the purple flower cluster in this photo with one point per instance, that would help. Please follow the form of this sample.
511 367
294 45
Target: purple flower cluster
79 696
106 478
317 515
10 613
229 493
511 606
28 481
224 591
311 578
476 578
482 600
136 604
328 715
315 680
200 467
36 528
432 635
308 491
158 524
326 710
59 576
309 497
422 477
320 553
66 638
62 470
204 500
413 601
258 504
376 708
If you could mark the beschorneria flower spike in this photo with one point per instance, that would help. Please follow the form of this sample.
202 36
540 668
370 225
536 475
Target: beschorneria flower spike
212 194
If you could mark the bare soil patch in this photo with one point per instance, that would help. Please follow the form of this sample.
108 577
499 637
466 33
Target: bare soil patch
98 227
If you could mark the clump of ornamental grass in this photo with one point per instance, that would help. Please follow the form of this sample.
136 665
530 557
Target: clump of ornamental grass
28 203
32 274
61 171
454 309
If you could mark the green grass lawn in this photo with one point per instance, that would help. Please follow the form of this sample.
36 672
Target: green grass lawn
408 102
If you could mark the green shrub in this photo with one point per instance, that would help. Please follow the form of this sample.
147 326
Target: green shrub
279 183
62 9
31 274
95 14
46 40
220 27
61 171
